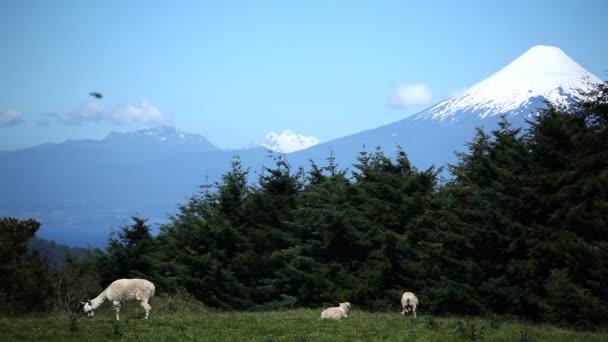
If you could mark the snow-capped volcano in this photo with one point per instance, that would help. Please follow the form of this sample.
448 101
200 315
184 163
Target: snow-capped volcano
287 141
541 73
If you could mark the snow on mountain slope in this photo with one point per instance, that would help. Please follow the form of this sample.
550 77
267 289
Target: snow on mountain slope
543 72
164 140
287 141
161 134
431 137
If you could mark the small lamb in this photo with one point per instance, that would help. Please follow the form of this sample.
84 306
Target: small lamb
123 290
337 312
409 302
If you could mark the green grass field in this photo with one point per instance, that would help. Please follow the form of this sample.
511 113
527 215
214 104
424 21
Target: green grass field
173 320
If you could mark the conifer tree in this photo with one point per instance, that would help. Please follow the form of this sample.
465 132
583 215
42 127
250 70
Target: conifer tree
129 253
203 249
392 196
269 210
567 244
479 221
319 269
24 284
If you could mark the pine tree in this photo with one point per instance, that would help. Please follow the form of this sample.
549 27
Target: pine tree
392 197
318 270
129 253
480 221
568 241
269 209
24 284
205 250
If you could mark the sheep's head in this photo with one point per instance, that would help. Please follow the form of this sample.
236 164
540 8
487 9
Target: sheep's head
345 306
88 309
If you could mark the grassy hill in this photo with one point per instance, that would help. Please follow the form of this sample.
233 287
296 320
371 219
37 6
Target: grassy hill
178 320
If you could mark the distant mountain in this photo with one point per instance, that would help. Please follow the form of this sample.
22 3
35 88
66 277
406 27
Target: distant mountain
81 190
56 253
543 73
156 142
163 136
287 141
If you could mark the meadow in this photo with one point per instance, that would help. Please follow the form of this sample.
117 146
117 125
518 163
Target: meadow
180 320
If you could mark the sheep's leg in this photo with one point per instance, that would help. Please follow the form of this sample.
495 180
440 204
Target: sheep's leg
117 308
146 307
408 311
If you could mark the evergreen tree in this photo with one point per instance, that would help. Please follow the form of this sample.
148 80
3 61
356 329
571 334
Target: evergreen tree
487 197
232 194
567 244
269 210
129 253
382 207
319 269
24 284
203 249
472 226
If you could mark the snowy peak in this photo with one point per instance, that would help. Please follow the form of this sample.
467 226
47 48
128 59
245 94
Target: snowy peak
162 134
541 73
167 136
543 64
287 141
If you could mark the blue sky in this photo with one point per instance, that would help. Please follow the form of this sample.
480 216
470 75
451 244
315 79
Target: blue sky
234 70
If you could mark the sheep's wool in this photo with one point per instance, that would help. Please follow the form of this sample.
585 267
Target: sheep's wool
409 302
124 290
339 312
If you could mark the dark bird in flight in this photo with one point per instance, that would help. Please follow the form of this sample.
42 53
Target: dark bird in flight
96 95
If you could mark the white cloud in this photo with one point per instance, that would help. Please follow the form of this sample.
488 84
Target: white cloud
91 111
144 113
410 95
10 117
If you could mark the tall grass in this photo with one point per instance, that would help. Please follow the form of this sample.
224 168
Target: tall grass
179 319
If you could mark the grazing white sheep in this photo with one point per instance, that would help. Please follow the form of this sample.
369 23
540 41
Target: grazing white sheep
337 312
409 302
123 290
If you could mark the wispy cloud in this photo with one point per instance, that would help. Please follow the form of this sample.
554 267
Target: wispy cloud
93 111
407 95
10 117
144 113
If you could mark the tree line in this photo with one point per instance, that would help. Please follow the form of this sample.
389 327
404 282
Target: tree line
518 228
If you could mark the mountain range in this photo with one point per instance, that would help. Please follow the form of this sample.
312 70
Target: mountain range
80 190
